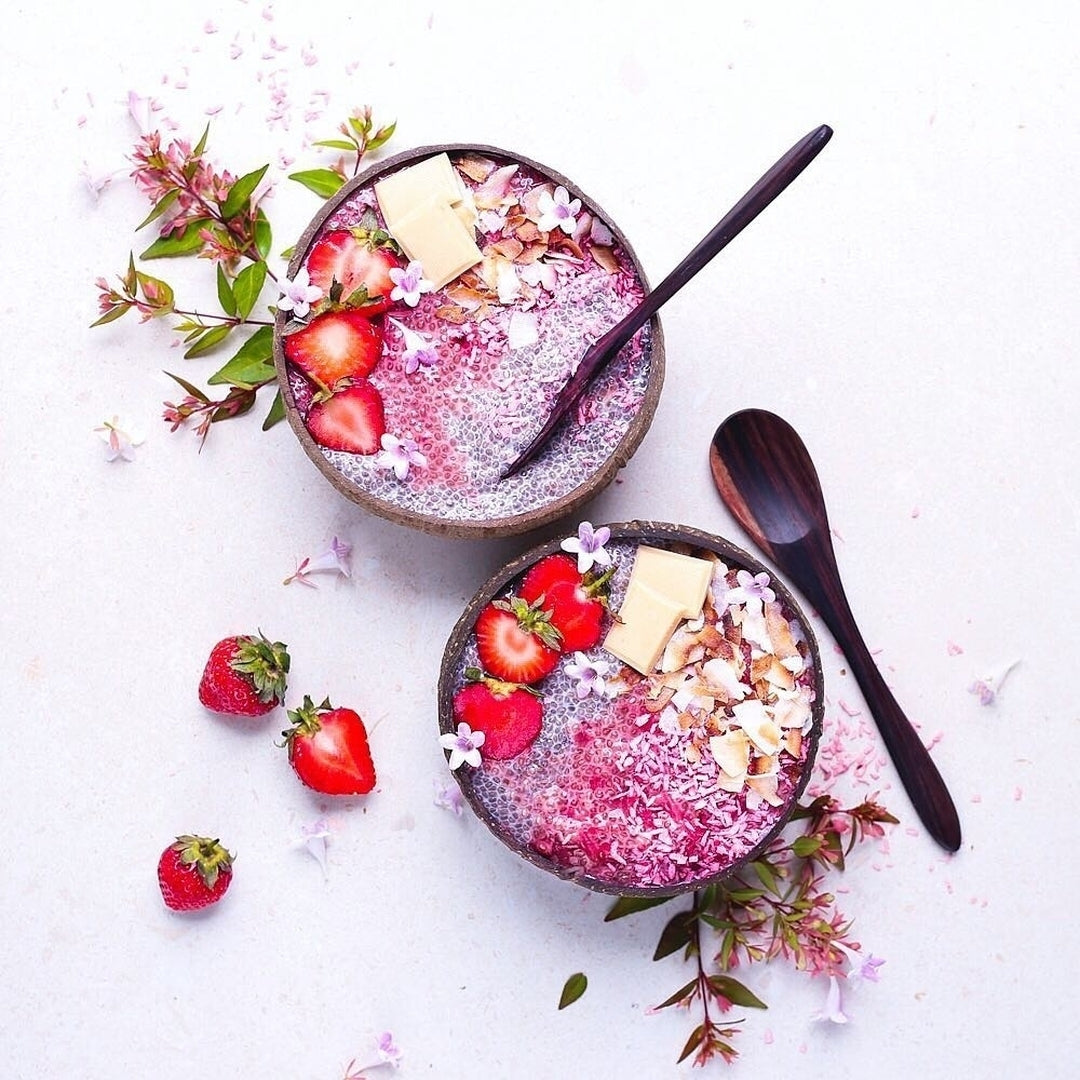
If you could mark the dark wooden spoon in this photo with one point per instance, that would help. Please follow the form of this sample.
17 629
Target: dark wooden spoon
767 480
771 184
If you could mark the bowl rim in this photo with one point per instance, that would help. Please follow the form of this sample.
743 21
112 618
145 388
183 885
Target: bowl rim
512 524
642 531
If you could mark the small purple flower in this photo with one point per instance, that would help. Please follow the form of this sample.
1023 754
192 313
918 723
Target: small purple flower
750 587
418 351
590 675
588 545
834 1004
464 746
558 211
400 455
410 284
449 797
334 560
299 294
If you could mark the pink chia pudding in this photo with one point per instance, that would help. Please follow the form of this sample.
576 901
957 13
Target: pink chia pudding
657 782
468 373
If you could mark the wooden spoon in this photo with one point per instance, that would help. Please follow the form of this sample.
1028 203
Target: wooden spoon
771 184
767 480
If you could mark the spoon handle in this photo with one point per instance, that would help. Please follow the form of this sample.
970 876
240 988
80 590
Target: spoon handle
918 773
767 188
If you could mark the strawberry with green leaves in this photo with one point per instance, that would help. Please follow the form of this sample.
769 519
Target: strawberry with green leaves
245 675
510 716
516 641
359 262
193 873
352 419
334 346
576 603
328 749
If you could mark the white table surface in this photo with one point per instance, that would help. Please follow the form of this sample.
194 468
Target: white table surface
910 305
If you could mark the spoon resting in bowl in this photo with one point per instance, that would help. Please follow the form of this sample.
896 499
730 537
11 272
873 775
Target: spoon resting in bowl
766 478
768 187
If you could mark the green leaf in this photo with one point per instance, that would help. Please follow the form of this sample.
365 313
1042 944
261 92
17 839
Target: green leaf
693 1042
252 364
735 992
681 994
263 234
191 388
200 146
111 316
156 292
745 896
247 287
160 207
226 297
630 905
381 136
240 193
208 341
674 936
276 413
766 876
324 182
335 144
131 278
185 241
575 986
805 846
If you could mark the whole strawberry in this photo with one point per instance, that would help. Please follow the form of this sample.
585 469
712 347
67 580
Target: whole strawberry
509 715
194 873
245 676
328 749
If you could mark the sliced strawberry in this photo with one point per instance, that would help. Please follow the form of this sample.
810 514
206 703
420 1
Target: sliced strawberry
336 345
516 641
353 419
509 715
354 262
575 603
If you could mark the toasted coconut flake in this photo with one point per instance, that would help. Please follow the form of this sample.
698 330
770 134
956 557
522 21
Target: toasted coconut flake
766 788
495 191
692 753
531 199
532 248
779 675
656 703
792 710
731 751
753 717
476 168
507 248
605 258
779 631
793 741
763 765
683 648
722 675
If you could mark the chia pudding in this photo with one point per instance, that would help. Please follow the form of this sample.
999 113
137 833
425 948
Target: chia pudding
659 782
469 372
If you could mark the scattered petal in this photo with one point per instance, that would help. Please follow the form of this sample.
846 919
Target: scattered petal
833 1011
120 439
988 688
448 796
313 839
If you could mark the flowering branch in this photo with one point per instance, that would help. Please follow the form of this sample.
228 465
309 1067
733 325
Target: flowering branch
777 907
203 212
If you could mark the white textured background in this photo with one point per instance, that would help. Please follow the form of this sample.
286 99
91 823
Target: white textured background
910 305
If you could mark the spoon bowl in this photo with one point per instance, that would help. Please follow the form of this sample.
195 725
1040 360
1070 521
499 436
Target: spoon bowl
766 478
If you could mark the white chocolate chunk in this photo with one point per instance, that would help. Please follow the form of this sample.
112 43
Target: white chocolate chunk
432 178
433 235
682 578
647 623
